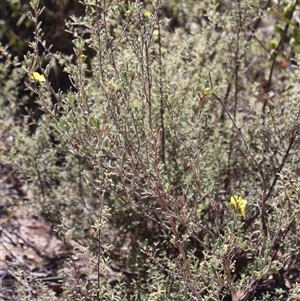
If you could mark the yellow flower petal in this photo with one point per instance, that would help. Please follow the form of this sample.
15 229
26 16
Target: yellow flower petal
82 58
38 77
239 203
147 13
205 91
128 14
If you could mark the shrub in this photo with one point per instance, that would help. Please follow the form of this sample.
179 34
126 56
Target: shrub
173 109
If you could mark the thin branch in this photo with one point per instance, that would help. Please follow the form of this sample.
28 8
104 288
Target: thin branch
260 171
276 52
162 105
99 245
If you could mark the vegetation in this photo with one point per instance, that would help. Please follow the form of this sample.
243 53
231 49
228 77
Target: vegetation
160 139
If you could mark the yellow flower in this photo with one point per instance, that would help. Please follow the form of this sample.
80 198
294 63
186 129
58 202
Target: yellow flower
147 13
82 58
239 203
128 14
38 77
205 91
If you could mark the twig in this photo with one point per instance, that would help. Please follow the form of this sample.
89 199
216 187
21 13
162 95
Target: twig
162 105
276 52
260 171
99 246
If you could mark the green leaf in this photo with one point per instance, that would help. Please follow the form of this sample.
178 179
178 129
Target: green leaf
123 158
146 244
123 9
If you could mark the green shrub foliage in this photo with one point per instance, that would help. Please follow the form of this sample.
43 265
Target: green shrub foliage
135 130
